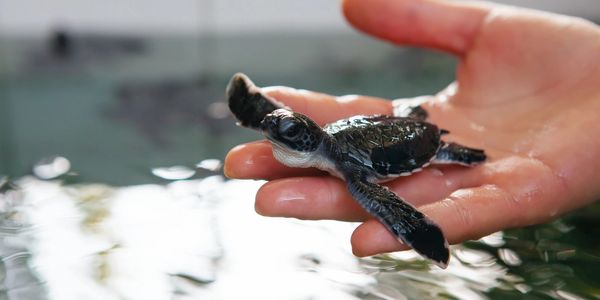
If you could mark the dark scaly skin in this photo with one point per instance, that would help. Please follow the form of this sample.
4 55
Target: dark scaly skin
368 149
385 146
407 223
246 102
362 150
452 153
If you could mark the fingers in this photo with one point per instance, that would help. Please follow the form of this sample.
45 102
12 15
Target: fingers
465 214
371 238
521 192
446 25
435 183
323 108
309 198
314 198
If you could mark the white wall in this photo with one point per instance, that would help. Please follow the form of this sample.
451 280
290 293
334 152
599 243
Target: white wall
195 16
151 16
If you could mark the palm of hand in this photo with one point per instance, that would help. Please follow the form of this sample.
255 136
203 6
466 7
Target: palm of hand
527 92
530 100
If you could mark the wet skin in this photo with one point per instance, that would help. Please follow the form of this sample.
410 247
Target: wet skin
527 91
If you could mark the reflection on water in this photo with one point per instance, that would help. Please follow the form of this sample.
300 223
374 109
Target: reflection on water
210 165
174 172
193 239
50 168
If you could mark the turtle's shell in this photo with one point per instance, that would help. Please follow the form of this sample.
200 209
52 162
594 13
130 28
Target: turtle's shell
389 146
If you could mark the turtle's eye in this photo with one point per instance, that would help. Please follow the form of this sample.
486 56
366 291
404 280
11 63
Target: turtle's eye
290 129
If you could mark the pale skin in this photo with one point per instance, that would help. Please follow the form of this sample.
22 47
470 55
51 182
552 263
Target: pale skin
527 91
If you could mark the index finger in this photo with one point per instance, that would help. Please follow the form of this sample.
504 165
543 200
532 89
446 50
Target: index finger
324 108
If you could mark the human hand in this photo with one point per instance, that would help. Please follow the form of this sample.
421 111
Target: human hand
527 92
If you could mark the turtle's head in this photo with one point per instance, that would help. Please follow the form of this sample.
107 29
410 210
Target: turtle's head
293 132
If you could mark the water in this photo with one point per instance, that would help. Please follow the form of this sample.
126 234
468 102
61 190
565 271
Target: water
120 114
201 239
137 210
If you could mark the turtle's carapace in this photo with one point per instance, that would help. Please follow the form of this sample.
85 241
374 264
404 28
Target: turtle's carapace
363 151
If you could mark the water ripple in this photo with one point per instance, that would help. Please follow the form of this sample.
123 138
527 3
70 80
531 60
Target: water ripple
201 239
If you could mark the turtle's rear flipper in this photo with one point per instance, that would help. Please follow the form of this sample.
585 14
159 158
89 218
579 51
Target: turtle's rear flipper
247 103
452 153
407 223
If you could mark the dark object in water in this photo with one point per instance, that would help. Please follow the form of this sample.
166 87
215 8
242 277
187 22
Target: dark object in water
6 185
154 106
67 51
61 44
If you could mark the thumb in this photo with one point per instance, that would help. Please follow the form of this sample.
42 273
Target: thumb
444 25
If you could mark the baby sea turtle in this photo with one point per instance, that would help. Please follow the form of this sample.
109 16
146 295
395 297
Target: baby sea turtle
361 150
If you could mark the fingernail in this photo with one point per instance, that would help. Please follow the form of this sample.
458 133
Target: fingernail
243 164
227 170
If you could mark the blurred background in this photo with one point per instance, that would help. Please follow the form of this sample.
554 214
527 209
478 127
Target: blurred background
122 86
104 96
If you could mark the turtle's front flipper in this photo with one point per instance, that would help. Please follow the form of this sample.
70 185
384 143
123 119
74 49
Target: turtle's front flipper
407 223
452 153
247 103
